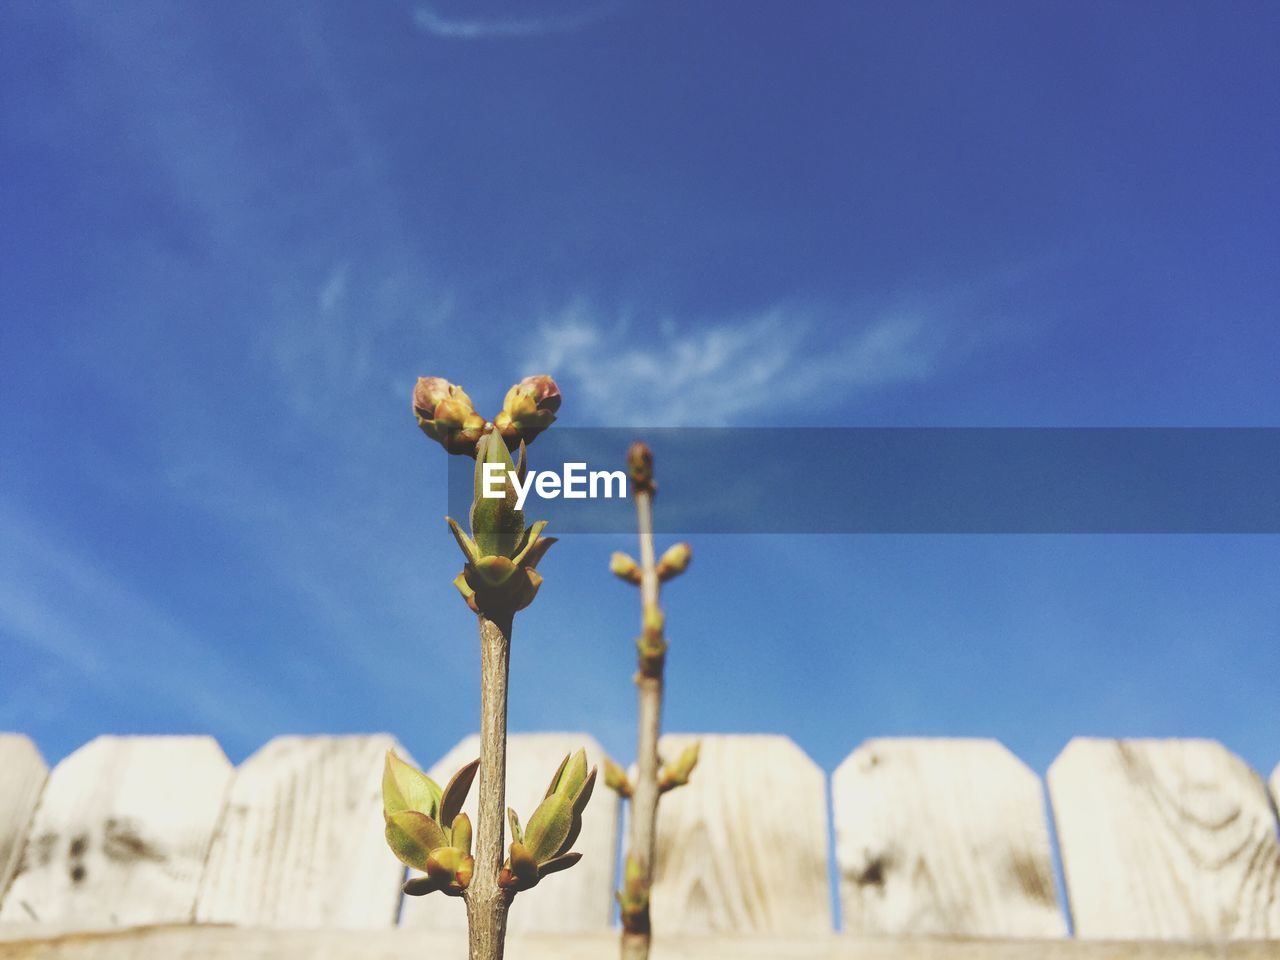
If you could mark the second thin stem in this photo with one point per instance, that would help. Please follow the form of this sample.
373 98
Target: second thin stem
644 809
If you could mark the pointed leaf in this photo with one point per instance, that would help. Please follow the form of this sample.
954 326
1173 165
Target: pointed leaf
530 540
460 833
496 524
455 794
555 865
574 775
405 787
412 836
421 886
538 551
468 546
584 793
522 462
555 777
514 819
549 826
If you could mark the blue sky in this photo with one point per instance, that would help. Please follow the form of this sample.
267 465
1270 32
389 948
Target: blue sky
233 235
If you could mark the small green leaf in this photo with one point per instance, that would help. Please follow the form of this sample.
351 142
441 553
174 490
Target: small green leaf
537 551
514 819
522 463
405 787
549 827
460 833
421 886
615 778
574 775
555 777
455 794
584 793
468 546
495 571
412 836
496 525
531 539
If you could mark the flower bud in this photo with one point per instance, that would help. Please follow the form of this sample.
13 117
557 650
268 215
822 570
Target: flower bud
615 778
625 568
674 562
445 414
677 774
529 408
640 466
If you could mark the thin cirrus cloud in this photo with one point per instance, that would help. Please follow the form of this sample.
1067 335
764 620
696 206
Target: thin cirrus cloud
471 28
718 374
71 612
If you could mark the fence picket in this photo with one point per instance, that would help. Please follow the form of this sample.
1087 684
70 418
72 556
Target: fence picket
579 899
120 834
943 837
742 848
24 777
1167 839
301 843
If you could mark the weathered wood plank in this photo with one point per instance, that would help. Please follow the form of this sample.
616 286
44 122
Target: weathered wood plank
121 833
943 837
742 848
579 899
230 943
301 843
22 776
1166 839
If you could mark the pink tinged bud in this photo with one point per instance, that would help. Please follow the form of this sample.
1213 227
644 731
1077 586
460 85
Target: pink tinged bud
429 392
446 414
640 466
529 408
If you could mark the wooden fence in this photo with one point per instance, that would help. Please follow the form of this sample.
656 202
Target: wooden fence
943 848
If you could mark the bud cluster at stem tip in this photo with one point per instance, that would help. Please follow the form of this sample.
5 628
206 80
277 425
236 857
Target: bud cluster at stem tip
640 467
501 552
446 414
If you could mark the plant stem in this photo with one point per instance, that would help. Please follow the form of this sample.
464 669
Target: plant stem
487 903
644 802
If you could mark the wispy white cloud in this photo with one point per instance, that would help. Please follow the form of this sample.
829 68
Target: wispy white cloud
721 373
471 28
102 634
332 335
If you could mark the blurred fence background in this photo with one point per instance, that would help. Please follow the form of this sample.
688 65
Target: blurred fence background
937 843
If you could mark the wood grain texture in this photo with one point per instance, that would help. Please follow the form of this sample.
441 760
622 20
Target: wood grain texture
1166 839
22 776
301 843
121 833
229 943
742 848
943 837
579 899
